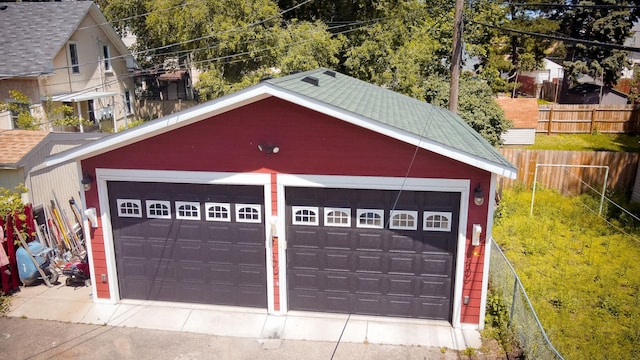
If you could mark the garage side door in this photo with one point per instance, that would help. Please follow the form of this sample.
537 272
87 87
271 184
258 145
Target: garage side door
189 242
371 252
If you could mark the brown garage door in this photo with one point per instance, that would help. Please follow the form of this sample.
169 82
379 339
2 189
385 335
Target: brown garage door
189 242
371 252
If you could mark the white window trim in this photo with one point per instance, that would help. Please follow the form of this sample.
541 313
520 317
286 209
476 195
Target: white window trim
315 210
108 66
120 202
426 215
252 206
226 206
179 204
378 212
411 213
71 64
150 203
327 211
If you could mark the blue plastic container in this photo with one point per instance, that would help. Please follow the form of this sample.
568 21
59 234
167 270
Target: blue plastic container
27 270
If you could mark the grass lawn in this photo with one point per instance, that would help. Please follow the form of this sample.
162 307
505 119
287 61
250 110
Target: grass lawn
587 142
581 273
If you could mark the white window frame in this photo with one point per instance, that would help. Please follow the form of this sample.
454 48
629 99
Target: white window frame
128 104
136 202
164 203
379 212
426 216
241 219
74 65
308 209
328 211
194 204
106 54
411 213
225 206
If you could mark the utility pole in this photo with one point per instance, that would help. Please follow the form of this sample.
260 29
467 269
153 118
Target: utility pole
456 57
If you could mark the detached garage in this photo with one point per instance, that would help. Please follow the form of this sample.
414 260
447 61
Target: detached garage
311 192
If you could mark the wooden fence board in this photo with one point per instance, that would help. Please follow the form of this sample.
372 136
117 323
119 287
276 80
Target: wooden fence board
622 169
575 119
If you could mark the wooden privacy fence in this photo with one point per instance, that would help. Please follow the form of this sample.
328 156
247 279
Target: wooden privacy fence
622 169
567 119
154 109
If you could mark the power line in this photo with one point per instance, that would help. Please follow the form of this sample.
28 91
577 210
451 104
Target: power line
539 5
561 38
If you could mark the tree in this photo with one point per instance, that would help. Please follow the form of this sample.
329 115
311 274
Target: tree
476 105
608 25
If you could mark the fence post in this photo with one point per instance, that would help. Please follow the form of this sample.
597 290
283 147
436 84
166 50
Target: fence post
593 120
513 302
550 120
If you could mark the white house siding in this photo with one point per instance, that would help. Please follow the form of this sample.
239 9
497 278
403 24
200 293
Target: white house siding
519 137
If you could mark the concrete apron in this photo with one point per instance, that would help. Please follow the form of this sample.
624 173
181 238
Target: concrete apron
75 305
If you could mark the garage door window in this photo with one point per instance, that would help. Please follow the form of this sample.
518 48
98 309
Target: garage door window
304 215
157 209
337 217
404 220
218 211
187 210
370 218
129 208
248 213
437 221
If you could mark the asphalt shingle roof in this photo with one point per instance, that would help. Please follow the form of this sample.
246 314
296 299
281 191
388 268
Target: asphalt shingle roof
392 109
16 144
32 33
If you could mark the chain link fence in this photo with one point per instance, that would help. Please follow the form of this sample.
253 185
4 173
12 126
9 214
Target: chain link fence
523 321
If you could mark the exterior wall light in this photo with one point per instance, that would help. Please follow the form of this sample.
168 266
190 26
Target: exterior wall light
268 149
86 182
478 196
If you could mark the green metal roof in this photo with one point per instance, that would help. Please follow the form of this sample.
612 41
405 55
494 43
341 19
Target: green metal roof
429 122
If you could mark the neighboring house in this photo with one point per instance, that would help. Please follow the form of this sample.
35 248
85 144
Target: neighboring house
532 81
68 53
634 56
592 93
312 192
523 112
21 154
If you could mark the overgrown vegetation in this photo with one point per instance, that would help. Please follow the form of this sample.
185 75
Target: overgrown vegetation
587 142
580 271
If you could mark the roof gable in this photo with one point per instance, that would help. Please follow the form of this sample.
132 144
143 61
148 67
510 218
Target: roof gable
343 97
37 31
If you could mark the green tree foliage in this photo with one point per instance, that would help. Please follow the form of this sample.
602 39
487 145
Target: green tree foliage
602 24
20 104
475 105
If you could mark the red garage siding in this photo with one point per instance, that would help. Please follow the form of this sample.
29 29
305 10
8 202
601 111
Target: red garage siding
310 143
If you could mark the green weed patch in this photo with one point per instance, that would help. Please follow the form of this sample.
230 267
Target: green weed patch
581 273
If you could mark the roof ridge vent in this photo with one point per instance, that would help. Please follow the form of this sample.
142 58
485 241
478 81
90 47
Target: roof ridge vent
311 80
330 73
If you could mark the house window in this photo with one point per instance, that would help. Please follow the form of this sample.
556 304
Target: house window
217 212
158 209
92 111
370 218
337 217
73 58
437 221
127 102
404 220
248 213
186 210
129 208
304 215
106 53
